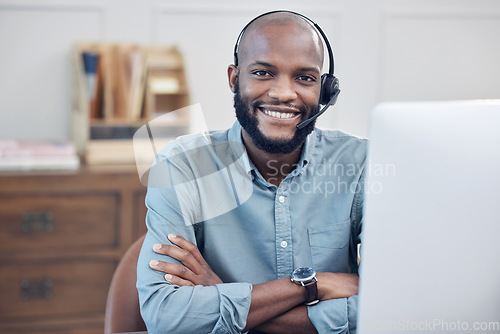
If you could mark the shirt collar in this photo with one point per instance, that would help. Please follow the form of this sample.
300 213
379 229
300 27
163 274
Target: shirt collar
234 136
308 150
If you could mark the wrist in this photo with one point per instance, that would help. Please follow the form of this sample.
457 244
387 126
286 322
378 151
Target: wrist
322 285
337 285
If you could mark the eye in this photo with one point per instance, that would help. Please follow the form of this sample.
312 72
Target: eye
261 73
307 78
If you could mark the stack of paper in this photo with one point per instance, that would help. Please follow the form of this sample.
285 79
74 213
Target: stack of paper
18 155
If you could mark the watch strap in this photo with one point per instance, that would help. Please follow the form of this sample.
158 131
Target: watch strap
311 292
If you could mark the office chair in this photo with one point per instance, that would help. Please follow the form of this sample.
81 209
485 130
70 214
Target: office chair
122 306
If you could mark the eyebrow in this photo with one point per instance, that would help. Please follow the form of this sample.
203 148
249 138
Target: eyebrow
309 69
263 63
301 69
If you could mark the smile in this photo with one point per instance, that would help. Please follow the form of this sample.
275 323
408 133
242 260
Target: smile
278 114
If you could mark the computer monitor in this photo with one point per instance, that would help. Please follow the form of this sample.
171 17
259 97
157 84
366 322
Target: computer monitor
432 219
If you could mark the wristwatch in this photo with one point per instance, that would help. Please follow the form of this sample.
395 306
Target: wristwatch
306 277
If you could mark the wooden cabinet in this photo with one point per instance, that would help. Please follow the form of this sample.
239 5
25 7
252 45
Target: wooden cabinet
61 237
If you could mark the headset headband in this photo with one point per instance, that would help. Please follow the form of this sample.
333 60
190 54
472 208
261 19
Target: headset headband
331 67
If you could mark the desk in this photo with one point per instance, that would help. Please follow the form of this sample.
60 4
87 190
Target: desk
61 237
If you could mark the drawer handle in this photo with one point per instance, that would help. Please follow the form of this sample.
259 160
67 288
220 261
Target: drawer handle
37 289
37 221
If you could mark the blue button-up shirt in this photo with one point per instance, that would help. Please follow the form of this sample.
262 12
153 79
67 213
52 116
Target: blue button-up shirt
206 189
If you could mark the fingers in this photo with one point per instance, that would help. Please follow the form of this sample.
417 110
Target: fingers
177 280
190 247
175 273
186 252
194 270
180 254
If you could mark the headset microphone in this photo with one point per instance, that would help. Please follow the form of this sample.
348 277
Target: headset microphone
326 106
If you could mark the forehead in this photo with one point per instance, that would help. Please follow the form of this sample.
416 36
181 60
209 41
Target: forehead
288 43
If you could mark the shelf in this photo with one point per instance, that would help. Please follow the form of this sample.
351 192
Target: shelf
134 85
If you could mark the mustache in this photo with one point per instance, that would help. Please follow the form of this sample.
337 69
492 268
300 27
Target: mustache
258 104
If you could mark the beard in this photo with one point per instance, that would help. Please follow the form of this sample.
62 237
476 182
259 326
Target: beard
274 146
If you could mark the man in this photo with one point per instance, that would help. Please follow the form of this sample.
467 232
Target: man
232 214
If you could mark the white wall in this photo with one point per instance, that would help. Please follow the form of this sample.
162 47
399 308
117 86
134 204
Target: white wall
384 50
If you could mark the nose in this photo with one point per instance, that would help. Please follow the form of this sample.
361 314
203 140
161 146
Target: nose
282 90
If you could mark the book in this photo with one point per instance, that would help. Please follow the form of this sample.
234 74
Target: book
122 151
135 75
93 81
11 148
39 163
16 155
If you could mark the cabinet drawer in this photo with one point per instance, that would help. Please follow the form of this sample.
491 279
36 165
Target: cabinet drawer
54 290
48 223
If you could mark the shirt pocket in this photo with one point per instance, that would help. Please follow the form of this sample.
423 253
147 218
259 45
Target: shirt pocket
328 245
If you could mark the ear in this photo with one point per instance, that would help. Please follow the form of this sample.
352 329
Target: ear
232 76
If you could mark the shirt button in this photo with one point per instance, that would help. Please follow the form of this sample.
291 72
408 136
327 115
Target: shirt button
284 244
281 199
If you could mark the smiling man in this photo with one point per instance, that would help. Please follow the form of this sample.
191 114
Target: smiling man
252 228
280 74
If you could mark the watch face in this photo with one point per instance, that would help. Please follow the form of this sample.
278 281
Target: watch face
303 274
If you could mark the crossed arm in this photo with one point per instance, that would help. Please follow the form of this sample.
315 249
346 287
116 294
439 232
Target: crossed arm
276 306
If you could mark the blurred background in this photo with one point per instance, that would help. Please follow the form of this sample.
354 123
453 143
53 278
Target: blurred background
65 223
384 50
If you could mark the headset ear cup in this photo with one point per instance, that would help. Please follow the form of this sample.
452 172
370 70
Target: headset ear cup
329 88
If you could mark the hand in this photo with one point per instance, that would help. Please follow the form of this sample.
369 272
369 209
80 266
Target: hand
194 270
337 285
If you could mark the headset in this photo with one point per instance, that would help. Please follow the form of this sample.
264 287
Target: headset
329 83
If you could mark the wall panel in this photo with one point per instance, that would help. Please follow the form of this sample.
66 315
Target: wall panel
440 55
36 41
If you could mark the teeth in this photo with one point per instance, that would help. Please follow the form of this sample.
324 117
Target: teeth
278 114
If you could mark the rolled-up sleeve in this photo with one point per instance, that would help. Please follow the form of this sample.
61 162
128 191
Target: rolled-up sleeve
168 308
334 315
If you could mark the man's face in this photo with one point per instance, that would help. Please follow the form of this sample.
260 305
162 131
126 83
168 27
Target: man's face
278 86
250 124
